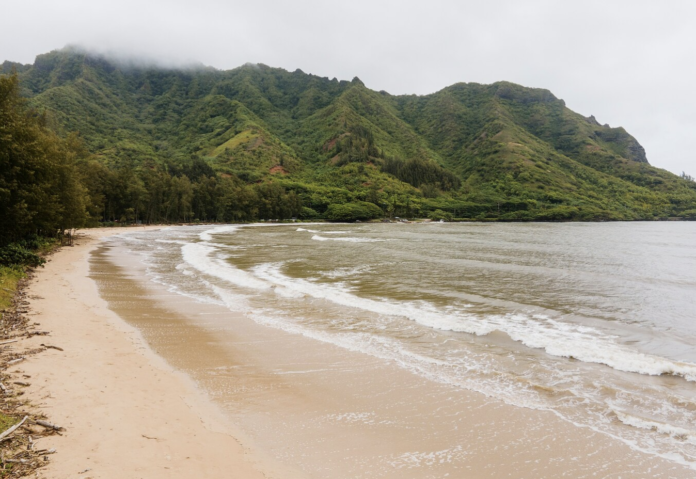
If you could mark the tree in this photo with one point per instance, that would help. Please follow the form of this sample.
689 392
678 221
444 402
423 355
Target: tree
40 188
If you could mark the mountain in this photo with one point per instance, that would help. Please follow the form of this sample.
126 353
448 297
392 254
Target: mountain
499 151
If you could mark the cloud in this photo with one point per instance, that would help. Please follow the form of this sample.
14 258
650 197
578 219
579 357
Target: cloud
626 62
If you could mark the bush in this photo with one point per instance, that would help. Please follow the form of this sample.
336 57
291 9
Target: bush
16 254
308 213
358 211
559 213
689 215
438 215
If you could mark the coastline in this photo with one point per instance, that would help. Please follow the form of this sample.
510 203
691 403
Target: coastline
126 413
128 388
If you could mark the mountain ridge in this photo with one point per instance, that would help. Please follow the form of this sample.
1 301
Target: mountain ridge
499 151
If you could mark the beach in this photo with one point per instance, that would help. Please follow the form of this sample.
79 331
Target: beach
125 412
154 382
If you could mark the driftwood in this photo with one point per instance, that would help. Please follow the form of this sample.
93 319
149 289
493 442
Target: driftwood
52 347
48 425
18 445
22 383
12 429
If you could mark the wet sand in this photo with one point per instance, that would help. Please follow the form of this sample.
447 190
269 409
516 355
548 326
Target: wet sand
304 408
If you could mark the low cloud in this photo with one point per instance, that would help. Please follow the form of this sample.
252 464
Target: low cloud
626 62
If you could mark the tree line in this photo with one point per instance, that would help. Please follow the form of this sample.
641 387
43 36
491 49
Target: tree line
50 184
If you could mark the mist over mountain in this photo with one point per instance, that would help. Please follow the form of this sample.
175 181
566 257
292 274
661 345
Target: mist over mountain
498 151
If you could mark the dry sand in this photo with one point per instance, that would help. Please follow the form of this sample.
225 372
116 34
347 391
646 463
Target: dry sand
126 413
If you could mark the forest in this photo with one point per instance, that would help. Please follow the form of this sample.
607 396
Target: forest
86 141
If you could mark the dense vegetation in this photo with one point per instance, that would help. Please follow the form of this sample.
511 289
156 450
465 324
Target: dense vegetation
146 144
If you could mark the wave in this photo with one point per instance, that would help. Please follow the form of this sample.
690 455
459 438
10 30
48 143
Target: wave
343 272
347 239
557 338
679 433
200 257
170 241
207 234
322 232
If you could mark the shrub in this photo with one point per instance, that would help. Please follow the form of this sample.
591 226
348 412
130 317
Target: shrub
16 254
438 215
308 213
689 215
358 211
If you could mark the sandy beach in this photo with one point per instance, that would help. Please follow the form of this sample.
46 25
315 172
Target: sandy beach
126 413
154 384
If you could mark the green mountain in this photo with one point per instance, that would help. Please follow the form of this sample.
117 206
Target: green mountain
274 138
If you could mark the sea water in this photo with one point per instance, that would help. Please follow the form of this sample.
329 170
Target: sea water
595 322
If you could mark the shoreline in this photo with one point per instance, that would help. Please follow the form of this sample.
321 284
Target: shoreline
137 399
335 412
126 413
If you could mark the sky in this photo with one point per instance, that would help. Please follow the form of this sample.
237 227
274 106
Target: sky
628 63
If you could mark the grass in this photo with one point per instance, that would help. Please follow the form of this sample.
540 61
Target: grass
242 137
6 422
8 284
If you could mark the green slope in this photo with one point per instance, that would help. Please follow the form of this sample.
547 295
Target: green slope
475 151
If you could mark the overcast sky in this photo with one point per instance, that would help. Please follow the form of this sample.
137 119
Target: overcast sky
629 63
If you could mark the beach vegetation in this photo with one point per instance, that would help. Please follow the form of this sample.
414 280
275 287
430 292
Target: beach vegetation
358 211
438 215
9 277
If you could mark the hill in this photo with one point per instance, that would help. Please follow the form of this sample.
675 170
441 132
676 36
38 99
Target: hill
261 142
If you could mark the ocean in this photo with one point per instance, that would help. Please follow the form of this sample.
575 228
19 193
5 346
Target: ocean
594 322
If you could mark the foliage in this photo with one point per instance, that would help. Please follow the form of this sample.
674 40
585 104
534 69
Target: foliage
359 211
438 215
40 191
16 254
163 145
9 276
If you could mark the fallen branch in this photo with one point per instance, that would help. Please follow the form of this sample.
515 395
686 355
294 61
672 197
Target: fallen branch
12 429
52 347
21 383
15 361
10 341
48 425
46 451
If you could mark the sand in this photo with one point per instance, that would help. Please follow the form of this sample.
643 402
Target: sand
126 413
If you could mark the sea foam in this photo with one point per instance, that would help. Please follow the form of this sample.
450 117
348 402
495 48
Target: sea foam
347 239
555 337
